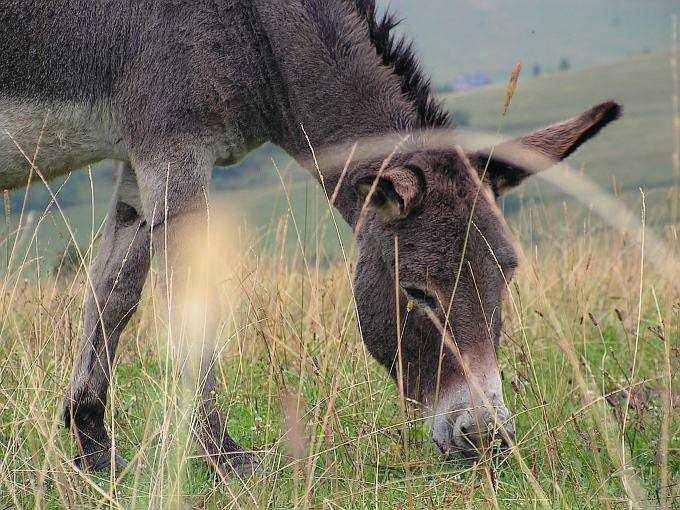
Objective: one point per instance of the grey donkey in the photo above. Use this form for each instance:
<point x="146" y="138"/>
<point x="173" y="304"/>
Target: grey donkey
<point x="172" y="87"/>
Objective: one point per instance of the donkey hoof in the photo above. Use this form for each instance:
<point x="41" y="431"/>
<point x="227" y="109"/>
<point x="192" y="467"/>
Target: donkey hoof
<point x="100" y="461"/>
<point x="244" y="465"/>
<point x="241" y="465"/>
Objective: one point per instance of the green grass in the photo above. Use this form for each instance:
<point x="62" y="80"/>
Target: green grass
<point x="573" y="348"/>
<point x="354" y="456"/>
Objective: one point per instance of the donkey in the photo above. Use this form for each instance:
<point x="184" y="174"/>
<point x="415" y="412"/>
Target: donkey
<point x="172" y="87"/>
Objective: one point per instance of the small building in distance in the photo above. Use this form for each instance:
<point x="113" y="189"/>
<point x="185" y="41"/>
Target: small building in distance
<point x="467" y="81"/>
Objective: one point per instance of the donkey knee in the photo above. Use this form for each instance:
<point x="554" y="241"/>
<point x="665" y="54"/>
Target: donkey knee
<point x="83" y="409"/>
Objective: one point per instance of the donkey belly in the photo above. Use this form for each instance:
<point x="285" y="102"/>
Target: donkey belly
<point x="58" y="138"/>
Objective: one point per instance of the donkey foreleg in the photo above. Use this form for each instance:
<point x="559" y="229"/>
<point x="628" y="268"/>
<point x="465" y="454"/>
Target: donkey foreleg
<point x="176" y="203"/>
<point x="117" y="278"/>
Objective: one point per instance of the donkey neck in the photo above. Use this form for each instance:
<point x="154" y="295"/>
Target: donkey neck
<point x="331" y="85"/>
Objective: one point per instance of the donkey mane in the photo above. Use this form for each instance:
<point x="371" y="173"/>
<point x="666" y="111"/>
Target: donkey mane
<point x="397" y="53"/>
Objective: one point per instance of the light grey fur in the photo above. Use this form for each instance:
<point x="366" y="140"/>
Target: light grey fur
<point x="56" y="137"/>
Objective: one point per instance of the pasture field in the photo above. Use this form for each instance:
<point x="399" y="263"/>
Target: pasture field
<point x="591" y="346"/>
<point x="590" y="343"/>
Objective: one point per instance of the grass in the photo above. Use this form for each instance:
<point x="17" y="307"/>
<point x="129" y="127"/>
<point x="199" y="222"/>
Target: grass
<point x="280" y="352"/>
<point x="590" y="349"/>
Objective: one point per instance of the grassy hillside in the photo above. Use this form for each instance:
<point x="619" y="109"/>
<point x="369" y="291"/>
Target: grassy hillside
<point x="465" y="35"/>
<point x="633" y="154"/>
<point x="636" y="149"/>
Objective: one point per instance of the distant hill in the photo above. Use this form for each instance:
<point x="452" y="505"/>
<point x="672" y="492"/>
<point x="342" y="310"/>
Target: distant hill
<point x="632" y="154"/>
<point x="466" y="35"/>
<point x="635" y="150"/>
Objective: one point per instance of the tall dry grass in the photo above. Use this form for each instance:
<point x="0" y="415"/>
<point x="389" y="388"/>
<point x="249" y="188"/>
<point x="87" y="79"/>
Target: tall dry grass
<point x="588" y="359"/>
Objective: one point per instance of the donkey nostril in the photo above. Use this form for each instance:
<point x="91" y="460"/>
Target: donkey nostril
<point x="464" y="432"/>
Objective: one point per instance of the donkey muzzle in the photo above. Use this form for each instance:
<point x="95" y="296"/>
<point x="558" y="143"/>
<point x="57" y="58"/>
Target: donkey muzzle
<point x="470" y="432"/>
<point x="468" y="423"/>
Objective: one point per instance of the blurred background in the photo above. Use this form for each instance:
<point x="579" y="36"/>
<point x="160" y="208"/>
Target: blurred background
<point x="487" y="36"/>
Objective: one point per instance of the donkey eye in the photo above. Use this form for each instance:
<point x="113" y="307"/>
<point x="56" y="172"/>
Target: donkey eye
<point x="420" y="296"/>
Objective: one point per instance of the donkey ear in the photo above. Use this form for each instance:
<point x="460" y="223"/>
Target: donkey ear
<point x="394" y="192"/>
<point x="509" y="163"/>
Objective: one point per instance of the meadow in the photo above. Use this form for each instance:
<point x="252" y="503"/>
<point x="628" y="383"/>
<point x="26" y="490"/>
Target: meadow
<point x="463" y="36"/>
<point x="591" y="344"/>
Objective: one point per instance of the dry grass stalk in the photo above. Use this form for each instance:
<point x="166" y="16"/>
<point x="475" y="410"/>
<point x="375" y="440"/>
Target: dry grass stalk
<point x="512" y="86"/>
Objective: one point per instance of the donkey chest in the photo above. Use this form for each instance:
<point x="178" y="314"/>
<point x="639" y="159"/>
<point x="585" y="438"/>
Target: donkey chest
<point x="56" y="138"/>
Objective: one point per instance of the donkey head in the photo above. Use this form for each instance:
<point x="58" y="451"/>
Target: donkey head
<point x="430" y="233"/>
